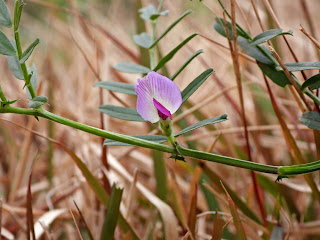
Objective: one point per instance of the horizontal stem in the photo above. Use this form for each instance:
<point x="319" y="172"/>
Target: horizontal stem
<point x="279" y="170"/>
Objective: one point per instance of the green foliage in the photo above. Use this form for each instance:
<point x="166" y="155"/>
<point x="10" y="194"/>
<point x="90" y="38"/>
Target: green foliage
<point x="312" y="82"/>
<point x="32" y="71"/>
<point x="129" y="114"/>
<point x="17" y="13"/>
<point x="311" y="120"/>
<point x="185" y="64"/>
<point x="26" y="54"/>
<point x="15" y="67"/>
<point x="214" y="120"/>
<point x="113" y="213"/>
<point x="128" y="67"/>
<point x="143" y="40"/>
<point x="117" y="87"/>
<point x="170" y="55"/>
<point x="6" y="48"/>
<point x="37" y="101"/>
<point x="169" y="28"/>
<point x="195" y="84"/>
<point x="219" y="26"/>
<point x="152" y="138"/>
<point x="278" y="77"/>
<point x="301" y="66"/>
<point x="5" y="19"/>
<point x="268" y="35"/>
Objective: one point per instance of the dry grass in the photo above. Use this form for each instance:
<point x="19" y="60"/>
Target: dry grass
<point x="76" y="52"/>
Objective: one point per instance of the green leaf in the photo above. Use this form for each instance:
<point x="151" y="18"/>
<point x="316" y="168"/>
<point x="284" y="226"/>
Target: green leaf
<point x="163" y="13"/>
<point x="128" y="67"/>
<point x="219" y="26"/>
<point x="268" y="35"/>
<point x="37" y="101"/>
<point x="195" y="84"/>
<point x="214" y="120"/>
<point x="112" y="215"/>
<point x="170" y="27"/>
<point x="152" y="138"/>
<point x="254" y="51"/>
<point x="147" y="12"/>
<point x="26" y="54"/>
<point x="6" y="47"/>
<point x="300" y="66"/>
<point x="14" y="64"/>
<point x="186" y="63"/>
<point x="17" y="14"/>
<point x="278" y="77"/>
<point x="311" y="120"/>
<point x="33" y="79"/>
<point x="117" y="87"/>
<point x="5" y="19"/>
<point x="142" y="40"/>
<point x="170" y="55"/>
<point x="312" y="82"/>
<point x="124" y="113"/>
<point x="277" y="233"/>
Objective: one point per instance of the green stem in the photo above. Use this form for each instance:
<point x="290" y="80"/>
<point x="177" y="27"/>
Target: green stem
<point x="2" y="96"/>
<point x="151" y="50"/>
<point x="19" y="50"/>
<point x="279" y="170"/>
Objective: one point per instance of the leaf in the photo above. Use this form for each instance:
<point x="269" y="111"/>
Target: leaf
<point x="6" y="47"/>
<point x="170" y="27"/>
<point x="33" y="79"/>
<point x="112" y="216"/>
<point x="278" y="77"/>
<point x="277" y="233"/>
<point x="152" y="138"/>
<point x="163" y="13"/>
<point x="214" y="120"/>
<point x="186" y="63"/>
<point x="312" y="82"/>
<point x="217" y="227"/>
<point x="236" y="218"/>
<point x="37" y="101"/>
<point x="195" y="84"/>
<point x="14" y="64"/>
<point x="311" y="120"/>
<point x="254" y="51"/>
<point x="300" y="66"/>
<point x="147" y="12"/>
<point x="219" y="26"/>
<point x="5" y="19"/>
<point x="170" y="55"/>
<point x="128" y="67"/>
<point x="267" y="35"/>
<point x="26" y="54"/>
<point x="117" y="87"/>
<point x="17" y="15"/>
<point x="142" y="40"/>
<point x="124" y="113"/>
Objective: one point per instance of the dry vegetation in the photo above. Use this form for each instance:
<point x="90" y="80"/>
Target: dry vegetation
<point x="80" y="42"/>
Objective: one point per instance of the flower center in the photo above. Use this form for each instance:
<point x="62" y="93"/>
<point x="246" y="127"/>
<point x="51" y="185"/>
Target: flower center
<point x="162" y="111"/>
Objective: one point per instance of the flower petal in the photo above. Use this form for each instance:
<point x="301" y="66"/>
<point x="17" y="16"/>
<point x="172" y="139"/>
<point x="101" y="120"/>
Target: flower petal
<point x="165" y="91"/>
<point x="145" y="106"/>
<point x="162" y="111"/>
<point x="160" y="88"/>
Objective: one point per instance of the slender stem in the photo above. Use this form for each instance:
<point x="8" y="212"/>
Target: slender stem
<point x="151" y="50"/>
<point x="19" y="49"/>
<point x="279" y="170"/>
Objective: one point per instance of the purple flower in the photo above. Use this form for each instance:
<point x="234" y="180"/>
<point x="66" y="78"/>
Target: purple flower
<point x="158" y="97"/>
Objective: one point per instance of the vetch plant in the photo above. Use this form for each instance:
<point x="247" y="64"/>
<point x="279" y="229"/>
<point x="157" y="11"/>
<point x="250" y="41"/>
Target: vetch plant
<point x="158" y="97"/>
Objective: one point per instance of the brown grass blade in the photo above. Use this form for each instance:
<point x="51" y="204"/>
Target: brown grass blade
<point x="77" y="227"/>
<point x="84" y="221"/>
<point x="236" y="219"/>
<point x="217" y="227"/>
<point x="30" y="227"/>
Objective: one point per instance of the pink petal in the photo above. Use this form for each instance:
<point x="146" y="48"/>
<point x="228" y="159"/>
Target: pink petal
<point x="162" y="111"/>
<point x="160" y="88"/>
